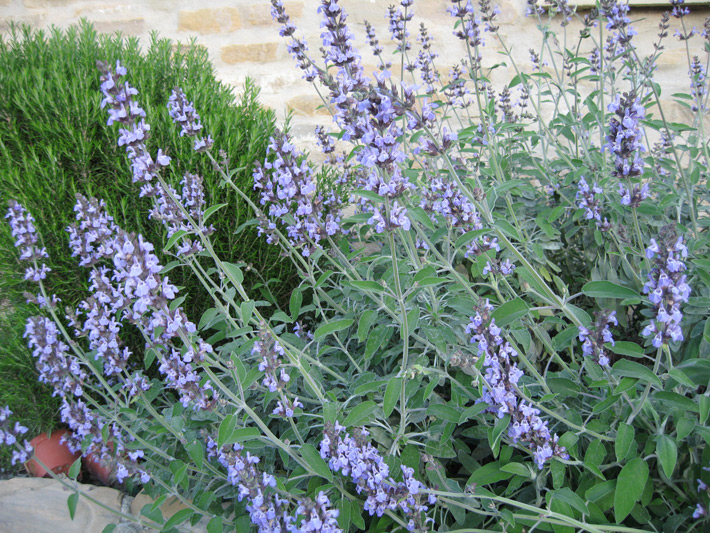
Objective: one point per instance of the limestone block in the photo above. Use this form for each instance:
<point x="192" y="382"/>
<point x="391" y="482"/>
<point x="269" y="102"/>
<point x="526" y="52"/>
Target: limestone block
<point x="255" y="52"/>
<point x="259" y="14"/>
<point x="206" y="21"/>
<point x="38" y="505"/>
<point x="307" y="105"/>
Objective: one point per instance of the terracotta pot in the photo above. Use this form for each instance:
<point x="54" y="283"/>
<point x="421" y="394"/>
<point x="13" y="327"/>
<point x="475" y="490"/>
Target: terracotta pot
<point x="55" y="456"/>
<point x="102" y="470"/>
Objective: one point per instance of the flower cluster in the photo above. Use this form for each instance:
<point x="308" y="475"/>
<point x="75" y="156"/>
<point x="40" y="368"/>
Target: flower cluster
<point x="624" y="141"/>
<point x="500" y="392"/>
<point x="25" y="235"/>
<point x="183" y="213"/>
<point x="593" y="340"/>
<point x="266" y="508"/>
<point x="666" y="287"/>
<point x="357" y="458"/>
<point x="135" y="288"/>
<point x="289" y="190"/>
<point x="183" y="112"/>
<point x="286" y="407"/>
<point x="124" y="109"/>
<point x="587" y="200"/>
<point x="118" y="96"/>
<point x="619" y="23"/>
<point x="271" y="353"/>
<point x="9" y="435"/>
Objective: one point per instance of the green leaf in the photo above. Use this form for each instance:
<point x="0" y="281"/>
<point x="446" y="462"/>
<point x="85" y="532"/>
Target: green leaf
<point x="570" y="498"/>
<point x="313" y="459"/>
<point x="149" y="357"/>
<point x="234" y="271"/>
<point x="667" y="453"/>
<point x="361" y="413"/>
<point x="211" y="211"/>
<point x="681" y="377"/>
<point x="371" y="286"/>
<point x="595" y="454"/>
<point x="472" y="411"/>
<point x="333" y="327"/>
<point x="507" y="228"/>
<point x="630" y="349"/>
<point x="489" y="473"/>
<point x="629" y="487"/>
<point x="178" y="518"/>
<point x="215" y="525"/>
<point x="510" y="312"/>
<point x="607" y="289"/>
<point x="247" y="309"/>
<point x="294" y="305"/>
<point x="175" y="238"/>
<point x="677" y="401"/>
<point x="631" y="369"/>
<point x="75" y="468"/>
<point x="369" y="195"/>
<point x="495" y="433"/>
<point x="365" y="323"/>
<point x="624" y="439"/>
<point x="412" y="321"/>
<point x="518" y="469"/>
<point x="72" y="502"/>
<point x="226" y="428"/>
<point x="391" y="395"/>
<point x="196" y="452"/>
<point x="323" y="278"/>
<point x="444" y="412"/>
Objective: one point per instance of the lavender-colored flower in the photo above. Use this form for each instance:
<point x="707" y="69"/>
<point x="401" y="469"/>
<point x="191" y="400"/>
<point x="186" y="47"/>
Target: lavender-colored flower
<point x="625" y="136"/>
<point x="118" y="96"/>
<point x="494" y="266"/>
<point x="593" y="340"/>
<point x="679" y="10"/>
<point x="698" y="84"/>
<point x="318" y="517"/>
<point x="56" y="366"/>
<point x="286" y="408"/>
<point x="500" y="392"/>
<point x="136" y="289"/>
<point x="25" y="235"/>
<point x="398" y="19"/>
<point x="9" y="434"/>
<point x="635" y="196"/>
<point x="666" y="287"/>
<point x="289" y="191"/>
<point x="276" y="378"/>
<point x="357" y="458"/>
<point x="183" y="112"/>
<point x="587" y="200"/>
<point x="619" y="24"/>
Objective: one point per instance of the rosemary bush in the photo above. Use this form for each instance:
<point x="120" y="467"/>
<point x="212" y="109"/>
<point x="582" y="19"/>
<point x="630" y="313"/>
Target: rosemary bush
<point x="54" y="142"/>
<point x="509" y="334"/>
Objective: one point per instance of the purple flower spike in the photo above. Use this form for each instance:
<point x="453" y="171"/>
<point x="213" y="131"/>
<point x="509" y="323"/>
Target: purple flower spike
<point x="183" y="112"/>
<point x="593" y="340"/>
<point x="502" y="376"/>
<point x="357" y="458"/>
<point x="667" y="287"/>
<point x="25" y="235"/>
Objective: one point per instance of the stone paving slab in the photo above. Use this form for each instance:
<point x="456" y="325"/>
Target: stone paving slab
<point x="39" y="505"/>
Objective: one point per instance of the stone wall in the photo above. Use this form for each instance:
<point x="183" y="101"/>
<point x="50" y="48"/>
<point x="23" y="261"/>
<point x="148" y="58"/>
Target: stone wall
<point x="243" y="41"/>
